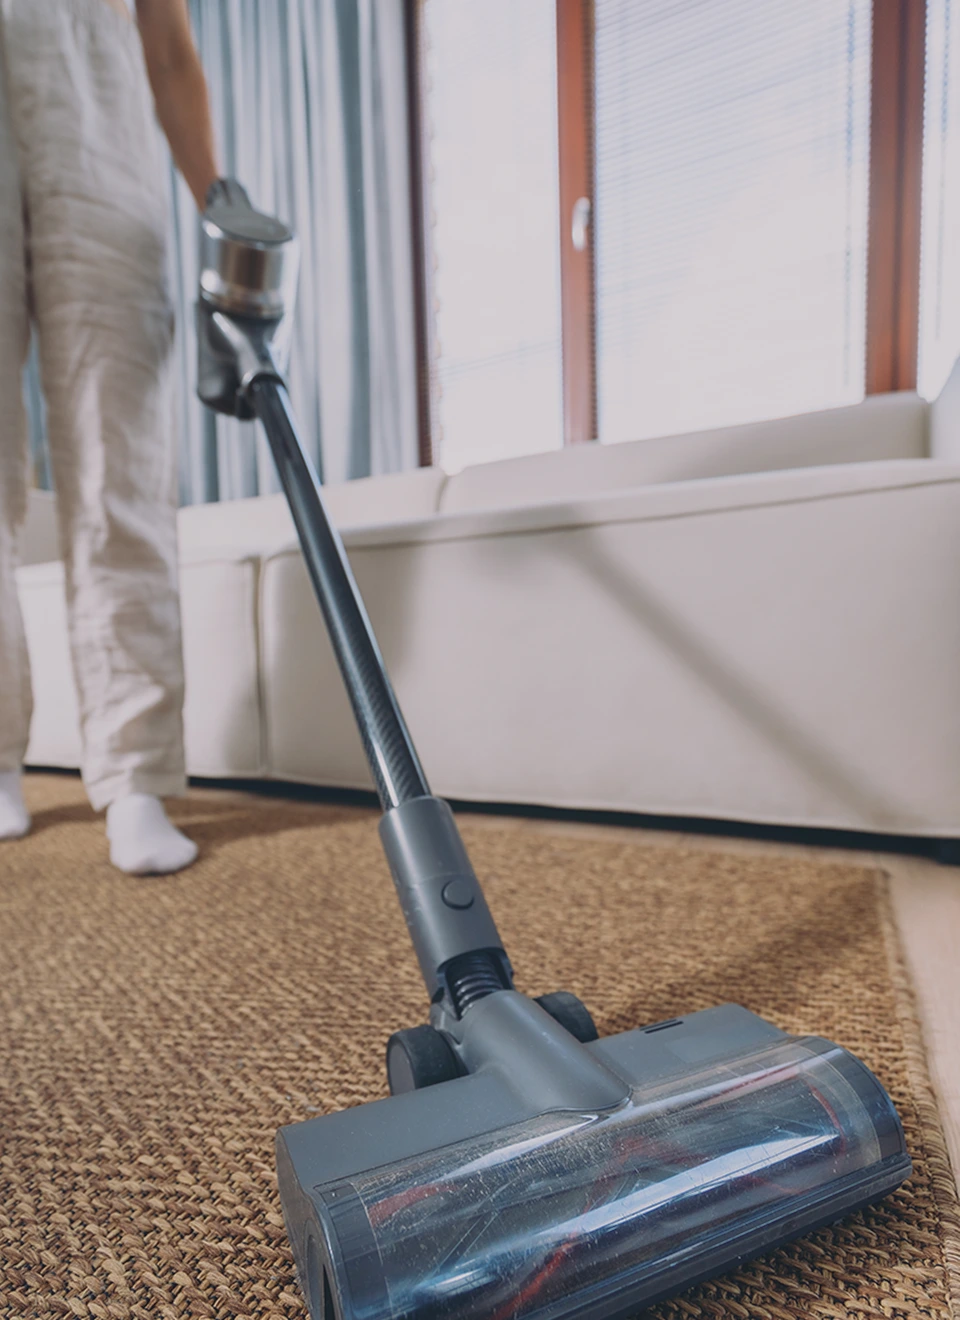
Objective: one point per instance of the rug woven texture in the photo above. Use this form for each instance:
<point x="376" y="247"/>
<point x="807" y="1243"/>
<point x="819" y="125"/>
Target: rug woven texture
<point x="155" y="1033"/>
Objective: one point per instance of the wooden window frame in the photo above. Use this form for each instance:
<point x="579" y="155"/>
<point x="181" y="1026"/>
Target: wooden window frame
<point x="419" y="210"/>
<point x="897" y="75"/>
<point x="898" y="50"/>
<point x="575" y="139"/>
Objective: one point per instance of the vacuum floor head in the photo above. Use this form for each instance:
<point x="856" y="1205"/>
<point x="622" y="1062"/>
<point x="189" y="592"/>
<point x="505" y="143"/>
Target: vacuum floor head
<point x="470" y="1201"/>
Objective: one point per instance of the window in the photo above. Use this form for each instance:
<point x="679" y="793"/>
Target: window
<point x="940" y="251"/>
<point x="731" y="210"/>
<point x="490" y="158"/>
<point x="654" y="216"/>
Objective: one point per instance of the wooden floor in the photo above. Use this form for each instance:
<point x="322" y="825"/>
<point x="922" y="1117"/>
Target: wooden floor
<point x="926" y="900"/>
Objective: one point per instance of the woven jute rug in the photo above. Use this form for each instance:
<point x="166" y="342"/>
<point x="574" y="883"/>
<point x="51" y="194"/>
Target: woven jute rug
<point x="155" y="1033"/>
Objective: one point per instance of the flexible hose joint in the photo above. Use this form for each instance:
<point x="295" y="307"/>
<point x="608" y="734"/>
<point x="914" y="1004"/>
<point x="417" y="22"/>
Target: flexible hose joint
<point x="473" y="976"/>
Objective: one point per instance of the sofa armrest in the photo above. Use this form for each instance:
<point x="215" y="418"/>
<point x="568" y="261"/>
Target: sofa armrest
<point x="945" y="419"/>
<point x="681" y="499"/>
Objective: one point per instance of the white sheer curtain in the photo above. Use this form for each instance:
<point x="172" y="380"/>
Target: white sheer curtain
<point x="309" y="102"/>
<point x="940" y="257"/>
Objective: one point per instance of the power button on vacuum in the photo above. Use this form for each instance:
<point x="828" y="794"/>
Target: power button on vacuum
<point x="458" y="893"/>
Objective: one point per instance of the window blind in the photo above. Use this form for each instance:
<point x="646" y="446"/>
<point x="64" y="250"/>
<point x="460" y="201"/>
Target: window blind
<point x="490" y="129"/>
<point x="731" y="160"/>
<point x="940" y="215"/>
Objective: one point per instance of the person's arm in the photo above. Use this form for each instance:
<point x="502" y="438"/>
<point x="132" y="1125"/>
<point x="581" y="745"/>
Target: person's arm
<point x="179" y="90"/>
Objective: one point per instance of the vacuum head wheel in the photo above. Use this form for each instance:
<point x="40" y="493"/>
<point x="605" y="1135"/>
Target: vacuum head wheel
<point x="419" y="1057"/>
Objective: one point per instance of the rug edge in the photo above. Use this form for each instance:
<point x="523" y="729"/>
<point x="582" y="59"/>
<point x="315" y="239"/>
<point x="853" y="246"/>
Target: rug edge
<point x="907" y="1012"/>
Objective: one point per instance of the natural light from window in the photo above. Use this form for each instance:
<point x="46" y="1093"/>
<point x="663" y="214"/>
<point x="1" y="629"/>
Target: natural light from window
<point x="490" y="106"/>
<point x="940" y="249"/>
<point x="732" y="148"/>
<point x="730" y="220"/>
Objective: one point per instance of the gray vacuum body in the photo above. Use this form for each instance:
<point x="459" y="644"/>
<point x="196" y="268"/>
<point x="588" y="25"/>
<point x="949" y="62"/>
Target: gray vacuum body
<point x="522" y="1168"/>
<point x="472" y="1200"/>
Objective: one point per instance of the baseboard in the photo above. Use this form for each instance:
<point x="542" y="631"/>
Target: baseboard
<point x="945" y="851"/>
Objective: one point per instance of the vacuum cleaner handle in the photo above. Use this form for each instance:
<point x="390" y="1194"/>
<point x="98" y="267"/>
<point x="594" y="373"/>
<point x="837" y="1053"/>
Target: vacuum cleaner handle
<point x="244" y="268"/>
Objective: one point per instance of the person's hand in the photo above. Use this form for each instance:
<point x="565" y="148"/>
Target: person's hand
<point x="179" y="91"/>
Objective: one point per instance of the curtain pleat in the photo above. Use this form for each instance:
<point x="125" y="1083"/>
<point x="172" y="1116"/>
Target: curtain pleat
<point x="309" y="106"/>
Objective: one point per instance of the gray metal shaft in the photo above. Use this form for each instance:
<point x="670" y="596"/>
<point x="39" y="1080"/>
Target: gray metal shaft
<point x="393" y="760"/>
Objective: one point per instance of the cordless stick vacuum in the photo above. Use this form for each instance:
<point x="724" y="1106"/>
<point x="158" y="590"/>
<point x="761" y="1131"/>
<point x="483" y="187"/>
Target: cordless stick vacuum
<point x="521" y="1168"/>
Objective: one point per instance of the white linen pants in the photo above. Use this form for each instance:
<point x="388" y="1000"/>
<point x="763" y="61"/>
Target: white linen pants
<point x="82" y="252"/>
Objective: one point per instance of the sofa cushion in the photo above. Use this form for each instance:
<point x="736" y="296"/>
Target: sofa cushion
<point x="664" y="500"/>
<point x="264" y="523"/>
<point x="222" y="719"/>
<point x="945" y="419"/>
<point x="889" y="426"/>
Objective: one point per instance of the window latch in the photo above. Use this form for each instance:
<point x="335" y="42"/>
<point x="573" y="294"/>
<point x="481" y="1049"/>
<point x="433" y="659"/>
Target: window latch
<point x="580" y="223"/>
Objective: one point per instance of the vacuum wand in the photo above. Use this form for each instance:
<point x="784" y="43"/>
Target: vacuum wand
<point x="243" y="316"/>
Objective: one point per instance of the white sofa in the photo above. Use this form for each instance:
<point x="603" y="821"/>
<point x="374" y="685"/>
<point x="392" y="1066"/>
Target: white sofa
<point x="760" y="623"/>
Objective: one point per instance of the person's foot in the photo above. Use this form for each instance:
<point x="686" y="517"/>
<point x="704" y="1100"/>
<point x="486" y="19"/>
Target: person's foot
<point x="14" y="817"/>
<point x="142" y="840"/>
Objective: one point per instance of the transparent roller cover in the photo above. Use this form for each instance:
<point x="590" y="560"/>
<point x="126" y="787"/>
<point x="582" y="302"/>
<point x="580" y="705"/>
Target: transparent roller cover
<point x="563" y="1213"/>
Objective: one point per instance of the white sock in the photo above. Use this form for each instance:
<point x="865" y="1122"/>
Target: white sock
<point x="142" y="840"/>
<point x="14" y="817"/>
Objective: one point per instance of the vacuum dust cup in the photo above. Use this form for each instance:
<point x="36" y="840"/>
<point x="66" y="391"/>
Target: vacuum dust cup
<point x="523" y="1169"/>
